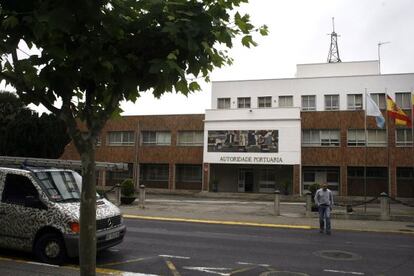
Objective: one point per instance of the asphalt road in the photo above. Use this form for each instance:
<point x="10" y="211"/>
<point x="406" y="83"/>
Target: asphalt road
<point x="180" y="248"/>
<point x="177" y="248"/>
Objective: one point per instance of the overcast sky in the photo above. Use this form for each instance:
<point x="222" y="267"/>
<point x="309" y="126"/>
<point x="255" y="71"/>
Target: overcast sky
<point x="299" y="34"/>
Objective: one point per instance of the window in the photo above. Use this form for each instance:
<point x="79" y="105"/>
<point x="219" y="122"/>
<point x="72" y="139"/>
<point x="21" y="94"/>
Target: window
<point x="355" y="101"/>
<point x="189" y="173"/>
<point x="190" y="138"/>
<point x="98" y="141"/>
<point x="154" y="172"/>
<point x="161" y="138"/>
<point x="285" y="101"/>
<point x="116" y="177"/>
<point x="243" y="102"/>
<point x="405" y="173"/>
<point x="403" y="137"/>
<point x="264" y="102"/>
<point x="267" y="180"/>
<point x="403" y="100"/>
<point x="331" y="102"/>
<point x="118" y="138"/>
<point x="17" y="188"/>
<point x="379" y="99"/>
<point x="309" y="102"/>
<point x="377" y="137"/>
<point x="371" y="172"/>
<point x="309" y="176"/>
<point x="356" y="137"/>
<point x="223" y="103"/>
<point x="318" y="138"/>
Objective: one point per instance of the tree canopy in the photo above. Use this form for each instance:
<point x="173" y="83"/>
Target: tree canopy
<point x="24" y="133"/>
<point x="92" y="54"/>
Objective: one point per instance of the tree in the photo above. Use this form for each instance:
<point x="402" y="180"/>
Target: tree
<point x="94" y="54"/>
<point x="24" y="133"/>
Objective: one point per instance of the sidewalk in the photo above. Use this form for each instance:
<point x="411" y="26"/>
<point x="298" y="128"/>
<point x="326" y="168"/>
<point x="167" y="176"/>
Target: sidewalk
<point x="260" y="211"/>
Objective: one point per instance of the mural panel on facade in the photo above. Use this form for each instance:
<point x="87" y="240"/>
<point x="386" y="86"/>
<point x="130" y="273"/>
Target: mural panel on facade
<point x="243" y="141"/>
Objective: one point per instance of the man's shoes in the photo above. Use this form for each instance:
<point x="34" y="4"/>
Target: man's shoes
<point x="321" y="231"/>
<point x="328" y="233"/>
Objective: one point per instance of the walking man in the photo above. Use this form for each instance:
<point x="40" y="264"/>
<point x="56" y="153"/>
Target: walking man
<point x="324" y="201"/>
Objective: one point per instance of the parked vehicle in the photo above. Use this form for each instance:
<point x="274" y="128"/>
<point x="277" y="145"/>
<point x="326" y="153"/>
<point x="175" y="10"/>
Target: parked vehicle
<point x="39" y="212"/>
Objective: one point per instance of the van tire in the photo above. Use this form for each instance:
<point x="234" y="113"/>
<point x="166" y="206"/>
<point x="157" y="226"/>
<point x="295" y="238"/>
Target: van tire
<point x="50" y="248"/>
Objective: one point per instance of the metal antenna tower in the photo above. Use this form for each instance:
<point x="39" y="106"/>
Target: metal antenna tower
<point x="333" y="55"/>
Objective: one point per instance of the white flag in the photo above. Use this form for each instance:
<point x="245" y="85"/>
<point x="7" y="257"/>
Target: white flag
<point x="373" y="110"/>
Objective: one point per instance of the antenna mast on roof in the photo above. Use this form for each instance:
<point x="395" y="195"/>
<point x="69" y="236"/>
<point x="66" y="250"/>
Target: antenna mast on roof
<point x="333" y="55"/>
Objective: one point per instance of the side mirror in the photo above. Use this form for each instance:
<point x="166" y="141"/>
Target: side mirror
<point x="33" y="202"/>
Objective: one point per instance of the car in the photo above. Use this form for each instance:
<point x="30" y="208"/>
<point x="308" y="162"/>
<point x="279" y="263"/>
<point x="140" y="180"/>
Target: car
<point x="39" y="212"/>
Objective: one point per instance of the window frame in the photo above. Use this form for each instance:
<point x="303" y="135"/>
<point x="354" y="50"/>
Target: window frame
<point x="264" y="102"/>
<point x="155" y="141"/>
<point x="223" y="103"/>
<point x="124" y="136"/>
<point x="193" y="142"/>
<point x="320" y="135"/>
<point x="283" y="99"/>
<point x="403" y="100"/>
<point x="407" y="142"/>
<point x="330" y="98"/>
<point x="308" y="99"/>
<point x="353" y="105"/>
<point x="243" y="102"/>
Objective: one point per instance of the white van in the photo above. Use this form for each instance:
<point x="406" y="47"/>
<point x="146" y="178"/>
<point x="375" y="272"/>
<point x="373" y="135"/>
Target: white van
<point x="39" y="212"/>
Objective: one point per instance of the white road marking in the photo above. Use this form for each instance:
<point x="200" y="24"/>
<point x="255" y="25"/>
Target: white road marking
<point x="210" y="270"/>
<point x="37" y="263"/>
<point x="174" y="257"/>
<point x="344" y="272"/>
<point x="244" y="263"/>
<point x="135" y="274"/>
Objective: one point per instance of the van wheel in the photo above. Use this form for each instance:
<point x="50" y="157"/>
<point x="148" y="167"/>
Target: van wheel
<point x="50" y="249"/>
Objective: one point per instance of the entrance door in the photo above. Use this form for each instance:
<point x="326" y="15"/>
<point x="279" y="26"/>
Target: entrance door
<point x="245" y="180"/>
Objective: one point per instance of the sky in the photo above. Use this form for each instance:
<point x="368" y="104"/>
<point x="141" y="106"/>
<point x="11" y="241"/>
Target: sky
<point x="299" y="33"/>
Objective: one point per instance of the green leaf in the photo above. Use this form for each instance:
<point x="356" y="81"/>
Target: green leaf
<point x="194" y="86"/>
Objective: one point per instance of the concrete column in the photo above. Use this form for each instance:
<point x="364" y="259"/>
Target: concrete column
<point x="385" y="207"/>
<point x="277" y="203"/>
<point x="296" y="180"/>
<point x="171" y="178"/>
<point x="102" y="174"/>
<point x="206" y="177"/>
<point x="308" y="204"/>
<point x="141" y="202"/>
<point x="343" y="180"/>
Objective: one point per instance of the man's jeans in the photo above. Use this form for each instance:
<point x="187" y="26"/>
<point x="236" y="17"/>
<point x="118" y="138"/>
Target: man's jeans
<point x="325" y="217"/>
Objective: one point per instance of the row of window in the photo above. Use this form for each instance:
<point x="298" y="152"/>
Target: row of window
<point x="161" y="138"/>
<point x="354" y="101"/>
<point x="160" y="172"/>
<point x="355" y="137"/>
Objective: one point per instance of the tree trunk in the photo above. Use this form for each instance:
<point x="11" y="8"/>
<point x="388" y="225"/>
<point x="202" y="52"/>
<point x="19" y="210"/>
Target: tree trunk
<point x="87" y="247"/>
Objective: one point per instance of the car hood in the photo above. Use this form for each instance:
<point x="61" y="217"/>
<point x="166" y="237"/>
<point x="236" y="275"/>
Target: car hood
<point x="104" y="209"/>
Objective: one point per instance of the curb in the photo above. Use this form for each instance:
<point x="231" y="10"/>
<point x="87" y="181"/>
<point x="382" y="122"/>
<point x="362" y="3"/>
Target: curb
<point x="254" y="224"/>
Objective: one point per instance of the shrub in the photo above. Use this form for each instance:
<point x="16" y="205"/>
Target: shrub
<point x="127" y="188"/>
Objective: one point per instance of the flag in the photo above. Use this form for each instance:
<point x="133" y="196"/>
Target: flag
<point x="373" y="110"/>
<point x="394" y="111"/>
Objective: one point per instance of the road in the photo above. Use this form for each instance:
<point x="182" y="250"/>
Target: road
<point x="178" y="248"/>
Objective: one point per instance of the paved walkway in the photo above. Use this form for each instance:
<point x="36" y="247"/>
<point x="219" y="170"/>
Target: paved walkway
<point x="256" y="211"/>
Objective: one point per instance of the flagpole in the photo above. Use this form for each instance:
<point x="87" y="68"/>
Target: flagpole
<point x="388" y="141"/>
<point x="365" y="157"/>
<point x="412" y="125"/>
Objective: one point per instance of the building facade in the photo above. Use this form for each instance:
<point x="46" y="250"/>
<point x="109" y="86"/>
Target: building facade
<point x="286" y="134"/>
<point x="164" y="151"/>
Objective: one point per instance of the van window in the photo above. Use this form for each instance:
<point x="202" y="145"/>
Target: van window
<point x="17" y="188"/>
